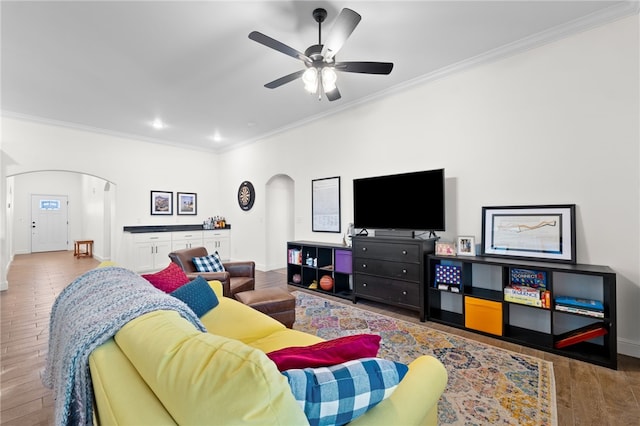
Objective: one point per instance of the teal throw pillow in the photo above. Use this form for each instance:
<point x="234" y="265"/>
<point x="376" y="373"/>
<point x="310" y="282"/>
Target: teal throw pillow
<point x="198" y="295"/>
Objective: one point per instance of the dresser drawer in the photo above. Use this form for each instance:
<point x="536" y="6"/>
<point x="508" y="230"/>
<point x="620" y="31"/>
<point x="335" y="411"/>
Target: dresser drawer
<point x="384" y="268"/>
<point x="404" y="252"/>
<point x="388" y="291"/>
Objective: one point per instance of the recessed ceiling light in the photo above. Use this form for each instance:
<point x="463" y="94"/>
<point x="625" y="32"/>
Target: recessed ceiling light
<point x="216" y="137"/>
<point x="158" y="124"/>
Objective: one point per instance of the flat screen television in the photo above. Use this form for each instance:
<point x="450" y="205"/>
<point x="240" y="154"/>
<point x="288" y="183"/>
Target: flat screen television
<point x="406" y="201"/>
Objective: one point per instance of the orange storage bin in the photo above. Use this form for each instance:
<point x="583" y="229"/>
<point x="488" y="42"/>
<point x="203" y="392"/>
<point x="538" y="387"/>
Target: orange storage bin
<point x="483" y="315"/>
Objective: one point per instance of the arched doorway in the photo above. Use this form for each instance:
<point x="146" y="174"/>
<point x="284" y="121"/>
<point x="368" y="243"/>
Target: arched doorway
<point x="280" y="220"/>
<point x="91" y="208"/>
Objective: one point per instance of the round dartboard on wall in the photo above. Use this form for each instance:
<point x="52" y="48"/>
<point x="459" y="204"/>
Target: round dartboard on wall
<point x="246" y="195"/>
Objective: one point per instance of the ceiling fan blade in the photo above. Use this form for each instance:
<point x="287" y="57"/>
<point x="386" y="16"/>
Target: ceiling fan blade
<point x="333" y="95"/>
<point x="284" y="80"/>
<point x="280" y="47"/>
<point x="342" y="28"/>
<point x="365" y="67"/>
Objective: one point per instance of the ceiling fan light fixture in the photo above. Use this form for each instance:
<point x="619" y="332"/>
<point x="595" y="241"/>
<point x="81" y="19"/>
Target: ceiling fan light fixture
<point x="329" y="78"/>
<point x="310" y="79"/>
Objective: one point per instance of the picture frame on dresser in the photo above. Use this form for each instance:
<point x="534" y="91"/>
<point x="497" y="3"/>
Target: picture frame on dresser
<point x="187" y="203"/>
<point x="161" y="203"/>
<point x="535" y="232"/>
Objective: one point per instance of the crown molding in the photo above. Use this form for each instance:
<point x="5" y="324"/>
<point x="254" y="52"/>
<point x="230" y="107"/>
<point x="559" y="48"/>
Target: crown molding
<point x="617" y="11"/>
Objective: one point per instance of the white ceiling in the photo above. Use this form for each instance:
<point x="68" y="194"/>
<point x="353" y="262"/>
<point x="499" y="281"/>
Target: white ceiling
<point x="116" y="66"/>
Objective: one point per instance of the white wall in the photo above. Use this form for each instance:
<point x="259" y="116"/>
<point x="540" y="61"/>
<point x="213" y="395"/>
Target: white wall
<point x="134" y="167"/>
<point x="556" y="124"/>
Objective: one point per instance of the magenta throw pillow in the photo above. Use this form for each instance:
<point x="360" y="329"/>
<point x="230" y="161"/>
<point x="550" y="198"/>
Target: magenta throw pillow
<point x="169" y="279"/>
<point x="327" y="353"/>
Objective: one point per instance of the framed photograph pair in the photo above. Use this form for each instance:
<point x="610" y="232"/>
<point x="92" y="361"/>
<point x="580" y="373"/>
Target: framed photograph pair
<point x="544" y="232"/>
<point x="464" y="246"/>
<point x="162" y="203"/>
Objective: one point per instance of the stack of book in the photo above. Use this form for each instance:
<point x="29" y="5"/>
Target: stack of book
<point x="294" y="256"/>
<point x="590" y="307"/>
<point x="528" y="287"/>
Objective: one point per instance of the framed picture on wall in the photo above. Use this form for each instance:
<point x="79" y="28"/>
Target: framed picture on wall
<point x="546" y="232"/>
<point x="161" y="203"/>
<point x="325" y="204"/>
<point x="187" y="203"/>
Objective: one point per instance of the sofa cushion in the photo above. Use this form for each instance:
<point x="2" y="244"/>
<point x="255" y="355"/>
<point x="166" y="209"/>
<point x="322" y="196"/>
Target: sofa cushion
<point x="327" y="353"/>
<point x="198" y="295"/>
<point x="168" y="279"/>
<point x="209" y="263"/>
<point x="201" y="378"/>
<point x="338" y="394"/>
<point x="231" y="319"/>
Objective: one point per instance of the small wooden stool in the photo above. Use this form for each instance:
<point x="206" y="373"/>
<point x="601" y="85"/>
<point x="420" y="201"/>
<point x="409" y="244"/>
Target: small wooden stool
<point x="88" y="248"/>
<point x="278" y="303"/>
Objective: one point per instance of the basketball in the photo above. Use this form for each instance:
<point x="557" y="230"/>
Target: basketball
<point x="326" y="282"/>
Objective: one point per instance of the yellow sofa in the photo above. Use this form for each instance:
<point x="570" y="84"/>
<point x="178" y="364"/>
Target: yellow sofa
<point x="160" y="370"/>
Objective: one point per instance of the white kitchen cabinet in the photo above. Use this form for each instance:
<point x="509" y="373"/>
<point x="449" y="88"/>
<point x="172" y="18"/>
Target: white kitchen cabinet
<point x="186" y="239"/>
<point x="218" y="240"/>
<point x="150" y="251"/>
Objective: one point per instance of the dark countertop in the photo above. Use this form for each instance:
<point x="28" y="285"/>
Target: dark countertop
<point x="167" y="228"/>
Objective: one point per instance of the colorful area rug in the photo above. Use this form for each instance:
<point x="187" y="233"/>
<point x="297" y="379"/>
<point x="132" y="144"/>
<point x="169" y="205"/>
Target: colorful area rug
<point x="487" y="385"/>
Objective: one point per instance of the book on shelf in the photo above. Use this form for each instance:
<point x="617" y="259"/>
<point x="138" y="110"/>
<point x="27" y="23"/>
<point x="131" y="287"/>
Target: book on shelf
<point x="295" y="256"/>
<point x="581" y="334"/>
<point x="579" y="302"/>
<point x="581" y="311"/>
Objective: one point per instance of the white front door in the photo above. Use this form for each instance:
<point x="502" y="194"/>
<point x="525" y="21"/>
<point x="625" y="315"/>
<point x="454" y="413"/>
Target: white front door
<point x="49" y="223"/>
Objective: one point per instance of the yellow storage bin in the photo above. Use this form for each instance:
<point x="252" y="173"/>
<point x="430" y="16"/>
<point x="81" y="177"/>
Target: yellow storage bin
<point x="483" y="315"/>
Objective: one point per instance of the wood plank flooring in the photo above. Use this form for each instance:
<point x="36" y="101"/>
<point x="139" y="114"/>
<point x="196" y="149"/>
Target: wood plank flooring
<point x="586" y="394"/>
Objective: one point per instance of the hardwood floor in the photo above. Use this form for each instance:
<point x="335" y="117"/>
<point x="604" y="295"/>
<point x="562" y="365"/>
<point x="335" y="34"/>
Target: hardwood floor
<point x="586" y="394"/>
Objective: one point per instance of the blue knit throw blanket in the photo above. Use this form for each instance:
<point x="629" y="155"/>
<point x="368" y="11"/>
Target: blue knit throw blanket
<point x="87" y="313"/>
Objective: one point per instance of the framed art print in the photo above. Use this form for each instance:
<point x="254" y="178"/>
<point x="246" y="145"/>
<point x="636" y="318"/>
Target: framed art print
<point x="187" y="203"/>
<point x="546" y="232"/>
<point x="161" y="203"/>
<point x="325" y="204"/>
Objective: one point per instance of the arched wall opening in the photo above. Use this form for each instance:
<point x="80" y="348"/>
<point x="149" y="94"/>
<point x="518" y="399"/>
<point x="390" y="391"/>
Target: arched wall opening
<point x="91" y="208"/>
<point x="279" y="218"/>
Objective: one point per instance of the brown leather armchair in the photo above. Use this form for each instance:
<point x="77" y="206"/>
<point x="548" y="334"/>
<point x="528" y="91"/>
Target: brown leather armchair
<point x="238" y="276"/>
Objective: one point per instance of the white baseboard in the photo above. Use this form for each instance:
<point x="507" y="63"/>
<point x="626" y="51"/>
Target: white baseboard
<point x="629" y="348"/>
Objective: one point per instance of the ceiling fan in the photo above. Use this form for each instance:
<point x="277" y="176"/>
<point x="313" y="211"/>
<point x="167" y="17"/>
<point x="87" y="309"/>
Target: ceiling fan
<point x="320" y="73"/>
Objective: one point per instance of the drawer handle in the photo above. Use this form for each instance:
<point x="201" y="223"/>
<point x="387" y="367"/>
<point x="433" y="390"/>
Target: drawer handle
<point x="364" y="284"/>
<point x="364" y="249"/>
<point x="364" y="266"/>
<point x="404" y="271"/>
<point x="404" y="252"/>
<point x="404" y="293"/>
<point x="153" y="238"/>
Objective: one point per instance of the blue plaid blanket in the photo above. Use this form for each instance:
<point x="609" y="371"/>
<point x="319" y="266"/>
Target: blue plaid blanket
<point x="87" y="313"/>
